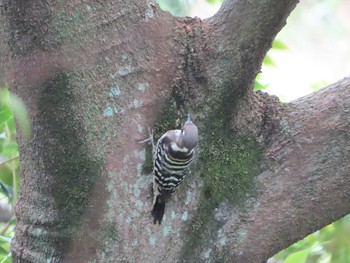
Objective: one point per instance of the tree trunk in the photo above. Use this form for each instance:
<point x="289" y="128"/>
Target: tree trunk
<point x="95" y="75"/>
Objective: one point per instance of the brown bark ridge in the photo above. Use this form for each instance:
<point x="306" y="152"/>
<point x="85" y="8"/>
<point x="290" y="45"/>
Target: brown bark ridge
<point x="96" y="74"/>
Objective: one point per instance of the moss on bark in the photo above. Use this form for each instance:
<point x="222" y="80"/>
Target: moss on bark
<point x="67" y="161"/>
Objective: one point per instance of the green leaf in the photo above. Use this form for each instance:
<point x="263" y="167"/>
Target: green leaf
<point x="7" y="191"/>
<point x="319" y="85"/>
<point x="19" y="109"/>
<point x="268" y="61"/>
<point x="6" y="239"/>
<point x="214" y="1"/>
<point x="11" y="125"/>
<point x="278" y="44"/>
<point x="10" y="149"/>
<point x="13" y="221"/>
<point x="5" y="114"/>
<point x="6" y="257"/>
<point x="21" y="114"/>
<point x="259" y="86"/>
<point x="3" y="251"/>
<point x="298" y="257"/>
<point x="6" y="175"/>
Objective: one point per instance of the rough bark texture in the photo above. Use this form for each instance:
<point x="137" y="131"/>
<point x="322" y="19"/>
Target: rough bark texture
<point x="96" y="74"/>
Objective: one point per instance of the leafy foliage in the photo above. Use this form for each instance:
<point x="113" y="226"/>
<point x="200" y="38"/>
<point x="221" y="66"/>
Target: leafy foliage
<point x="215" y="1"/>
<point x="268" y="61"/>
<point x="9" y="173"/>
<point x="181" y="7"/>
<point x="176" y="7"/>
<point x="328" y="245"/>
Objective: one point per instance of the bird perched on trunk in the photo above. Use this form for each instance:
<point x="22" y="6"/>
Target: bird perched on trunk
<point x="173" y="154"/>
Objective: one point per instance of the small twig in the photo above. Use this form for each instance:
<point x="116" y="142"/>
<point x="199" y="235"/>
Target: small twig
<point x="3" y="231"/>
<point x="9" y="160"/>
<point x="6" y="258"/>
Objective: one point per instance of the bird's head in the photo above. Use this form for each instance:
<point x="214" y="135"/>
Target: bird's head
<point x="189" y="135"/>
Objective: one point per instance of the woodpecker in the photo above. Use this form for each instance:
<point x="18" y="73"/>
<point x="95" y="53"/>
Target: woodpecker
<point x="172" y="157"/>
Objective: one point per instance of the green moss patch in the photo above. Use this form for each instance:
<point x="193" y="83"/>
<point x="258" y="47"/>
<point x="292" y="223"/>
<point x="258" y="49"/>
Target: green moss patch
<point x="229" y="167"/>
<point x="69" y="165"/>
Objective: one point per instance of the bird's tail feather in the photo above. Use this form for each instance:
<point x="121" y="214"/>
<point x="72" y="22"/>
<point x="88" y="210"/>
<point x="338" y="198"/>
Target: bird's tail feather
<point x="158" y="210"/>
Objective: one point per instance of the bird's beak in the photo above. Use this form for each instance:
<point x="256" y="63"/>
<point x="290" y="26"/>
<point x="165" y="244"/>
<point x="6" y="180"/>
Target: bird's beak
<point x="188" y="118"/>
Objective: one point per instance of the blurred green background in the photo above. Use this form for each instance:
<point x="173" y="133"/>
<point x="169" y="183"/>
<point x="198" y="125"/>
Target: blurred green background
<point x="9" y="174"/>
<point x="313" y="50"/>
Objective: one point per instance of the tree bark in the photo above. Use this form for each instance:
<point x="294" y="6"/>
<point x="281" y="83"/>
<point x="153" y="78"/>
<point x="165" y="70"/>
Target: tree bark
<point x="95" y="75"/>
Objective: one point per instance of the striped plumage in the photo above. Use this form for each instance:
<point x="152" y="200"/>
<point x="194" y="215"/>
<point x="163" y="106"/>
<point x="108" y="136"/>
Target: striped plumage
<point x="173" y="155"/>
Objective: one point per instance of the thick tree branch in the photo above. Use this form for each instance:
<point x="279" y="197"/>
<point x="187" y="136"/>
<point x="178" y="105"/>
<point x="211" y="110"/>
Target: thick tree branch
<point x="246" y="29"/>
<point x="306" y="185"/>
<point x="241" y="34"/>
<point x="225" y="52"/>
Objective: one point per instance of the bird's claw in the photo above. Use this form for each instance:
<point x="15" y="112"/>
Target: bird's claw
<point x="150" y="138"/>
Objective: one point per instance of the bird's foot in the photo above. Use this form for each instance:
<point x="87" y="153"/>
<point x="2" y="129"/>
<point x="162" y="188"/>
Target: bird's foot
<point x="150" y="138"/>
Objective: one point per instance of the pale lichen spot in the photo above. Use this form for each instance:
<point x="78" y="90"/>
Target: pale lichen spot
<point x="167" y="231"/>
<point x="139" y="205"/>
<point x="142" y="154"/>
<point x="207" y="253"/>
<point x="37" y="232"/>
<point x="222" y="241"/>
<point x="115" y="193"/>
<point x="110" y="204"/>
<point x="136" y="153"/>
<point x="140" y="128"/>
<point x="121" y="216"/>
<point x="123" y="71"/>
<point x="149" y="231"/>
<point x="114" y="92"/>
<point x="135" y="214"/>
<point x="142" y="86"/>
<point x="135" y="243"/>
<point x="138" y="116"/>
<point x="242" y="234"/>
<point x="173" y="214"/>
<point x="137" y="191"/>
<point x="152" y="240"/>
<point x="149" y="12"/>
<point x="139" y="169"/>
<point x="184" y="216"/>
<point x="221" y="47"/>
<point x="108" y="112"/>
<point x="116" y="110"/>
<point x="222" y="238"/>
<point x="188" y="198"/>
<point x="143" y="182"/>
<point x="110" y="186"/>
<point x="88" y="8"/>
<point x="137" y="103"/>
<point x="125" y="187"/>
